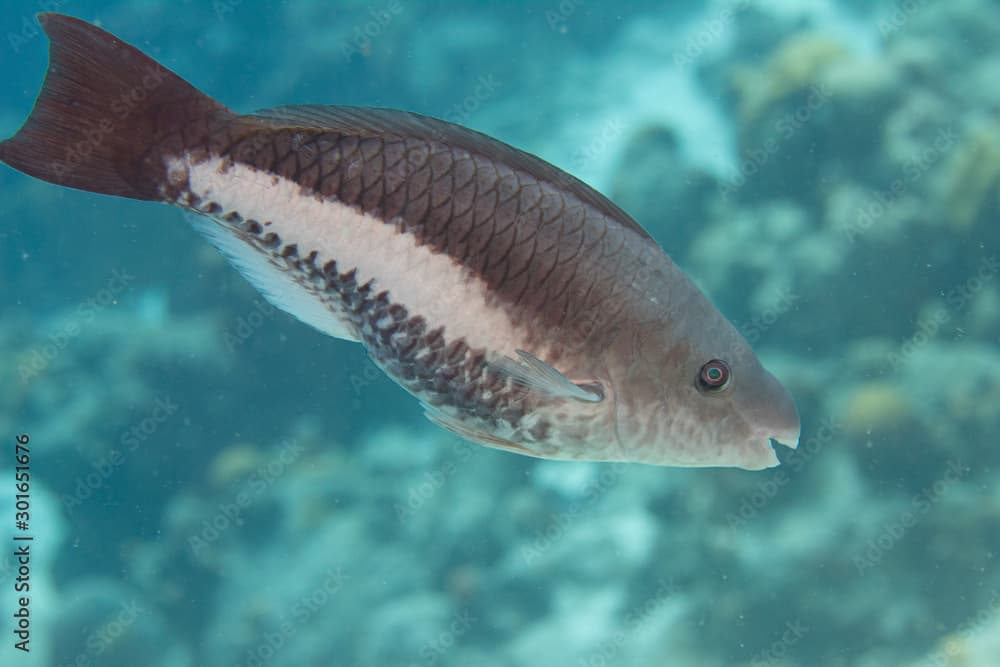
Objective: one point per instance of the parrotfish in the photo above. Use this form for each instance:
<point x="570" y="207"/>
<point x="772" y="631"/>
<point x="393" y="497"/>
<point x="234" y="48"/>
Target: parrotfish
<point x="525" y="310"/>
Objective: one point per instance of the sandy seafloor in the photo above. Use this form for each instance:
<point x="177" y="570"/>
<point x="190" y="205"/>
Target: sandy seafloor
<point x="217" y="484"/>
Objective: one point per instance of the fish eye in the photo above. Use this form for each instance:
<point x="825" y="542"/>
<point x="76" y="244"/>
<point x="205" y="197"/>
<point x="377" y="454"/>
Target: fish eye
<point x="714" y="376"/>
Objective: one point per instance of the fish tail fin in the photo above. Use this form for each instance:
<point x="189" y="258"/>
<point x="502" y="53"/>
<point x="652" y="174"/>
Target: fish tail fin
<point x="103" y="106"/>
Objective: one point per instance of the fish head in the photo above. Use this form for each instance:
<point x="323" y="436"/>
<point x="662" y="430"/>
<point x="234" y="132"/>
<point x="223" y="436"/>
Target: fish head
<point x="689" y="391"/>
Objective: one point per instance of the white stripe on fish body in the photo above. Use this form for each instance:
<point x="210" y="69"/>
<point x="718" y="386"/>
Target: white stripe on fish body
<point x="426" y="283"/>
<point x="641" y="330"/>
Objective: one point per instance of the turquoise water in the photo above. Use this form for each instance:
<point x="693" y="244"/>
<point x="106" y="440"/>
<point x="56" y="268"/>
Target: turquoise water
<point x="213" y="483"/>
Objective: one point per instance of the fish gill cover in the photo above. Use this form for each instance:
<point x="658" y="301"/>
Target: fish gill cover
<point x="215" y="483"/>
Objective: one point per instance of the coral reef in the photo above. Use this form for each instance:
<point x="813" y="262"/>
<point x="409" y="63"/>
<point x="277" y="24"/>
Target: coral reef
<point x="217" y="484"/>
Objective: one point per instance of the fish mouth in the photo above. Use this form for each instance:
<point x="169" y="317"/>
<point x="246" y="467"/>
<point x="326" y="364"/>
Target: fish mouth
<point x="788" y="438"/>
<point x="762" y="449"/>
<point x="775" y="420"/>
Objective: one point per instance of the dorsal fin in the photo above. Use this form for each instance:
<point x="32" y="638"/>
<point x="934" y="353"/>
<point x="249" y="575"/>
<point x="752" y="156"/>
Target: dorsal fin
<point x="402" y="124"/>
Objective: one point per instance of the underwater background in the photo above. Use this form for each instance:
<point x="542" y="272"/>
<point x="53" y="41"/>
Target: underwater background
<point x="214" y="483"/>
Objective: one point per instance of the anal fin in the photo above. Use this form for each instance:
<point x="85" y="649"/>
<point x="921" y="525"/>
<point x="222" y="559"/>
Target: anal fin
<point x="472" y="435"/>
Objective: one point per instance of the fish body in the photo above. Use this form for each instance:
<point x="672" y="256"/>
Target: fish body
<point x="524" y="310"/>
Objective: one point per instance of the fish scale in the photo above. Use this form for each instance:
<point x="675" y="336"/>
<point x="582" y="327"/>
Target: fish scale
<point x="522" y="307"/>
<point x="440" y="372"/>
<point x="500" y="201"/>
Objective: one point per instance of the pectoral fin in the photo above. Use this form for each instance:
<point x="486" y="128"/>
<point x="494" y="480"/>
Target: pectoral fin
<point x="534" y="374"/>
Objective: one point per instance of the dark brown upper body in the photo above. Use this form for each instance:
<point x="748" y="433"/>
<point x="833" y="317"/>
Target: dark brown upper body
<point x="582" y="286"/>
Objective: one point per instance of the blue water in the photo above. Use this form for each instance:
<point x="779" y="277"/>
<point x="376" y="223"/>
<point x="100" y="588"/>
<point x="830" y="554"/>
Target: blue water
<point x="214" y="483"/>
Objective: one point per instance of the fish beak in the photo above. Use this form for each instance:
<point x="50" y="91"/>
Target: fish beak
<point x="778" y="419"/>
<point x="788" y="438"/>
<point x="775" y="420"/>
<point x="762" y="451"/>
<point x="786" y="428"/>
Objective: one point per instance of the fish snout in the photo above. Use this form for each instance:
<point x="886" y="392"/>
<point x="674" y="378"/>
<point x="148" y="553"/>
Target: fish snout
<point x="774" y="414"/>
<point x="781" y="418"/>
